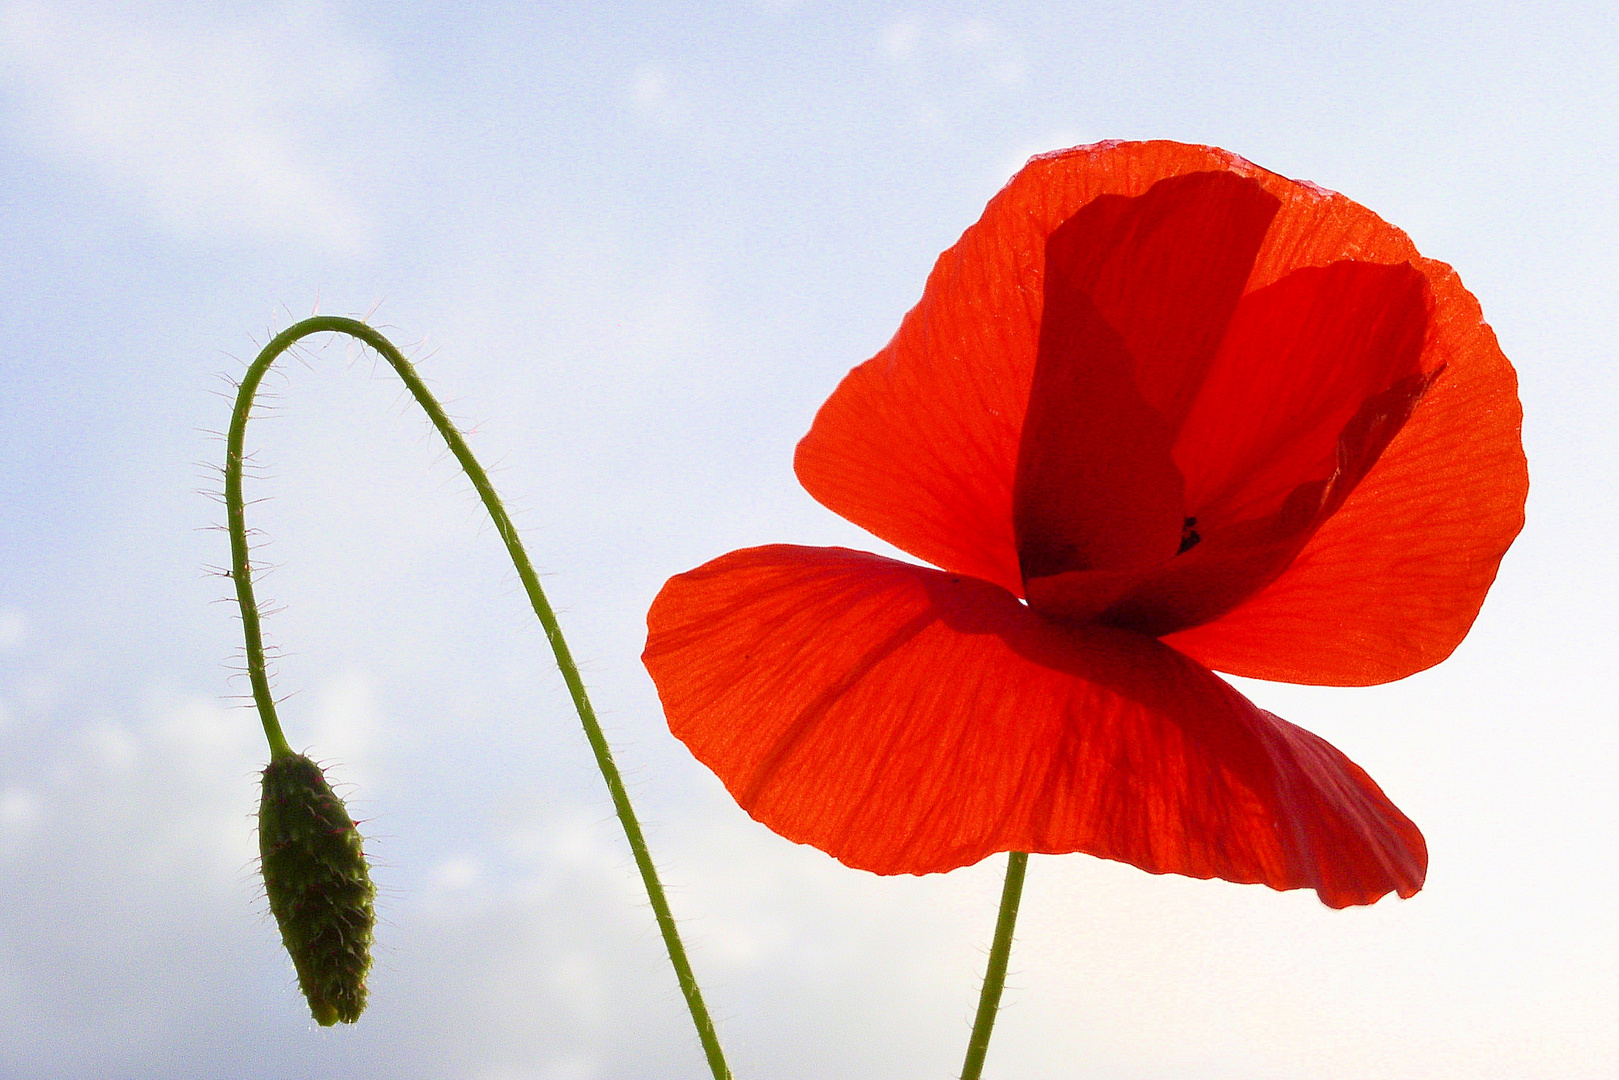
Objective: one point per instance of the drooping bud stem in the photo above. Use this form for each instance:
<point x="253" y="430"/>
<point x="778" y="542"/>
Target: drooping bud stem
<point x="319" y="886"/>
<point x="241" y="572"/>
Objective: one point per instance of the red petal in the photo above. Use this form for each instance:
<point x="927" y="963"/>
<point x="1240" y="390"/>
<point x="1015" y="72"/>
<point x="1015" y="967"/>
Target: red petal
<point x="1316" y="376"/>
<point x="910" y="721"/>
<point x="1299" y="359"/>
<point x="1138" y="292"/>
<point x="1390" y="583"/>
<point x="919" y="445"/>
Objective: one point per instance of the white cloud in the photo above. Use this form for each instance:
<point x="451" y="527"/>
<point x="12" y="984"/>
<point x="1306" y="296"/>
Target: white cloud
<point x="113" y="747"/>
<point x="214" y="124"/>
<point x="19" y="809"/>
<point x="900" y="38"/>
<point x="13" y="629"/>
<point x="950" y="68"/>
<point x="655" y="100"/>
<point x="957" y="49"/>
<point x="455" y="874"/>
<point x="996" y="56"/>
<point x="346" y="723"/>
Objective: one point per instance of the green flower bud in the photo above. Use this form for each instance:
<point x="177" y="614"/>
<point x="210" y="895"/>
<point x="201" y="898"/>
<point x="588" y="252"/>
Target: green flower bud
<point x="319" y="887"/>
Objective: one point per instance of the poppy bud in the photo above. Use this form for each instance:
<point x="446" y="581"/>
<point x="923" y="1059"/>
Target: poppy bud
<point x="319" y="887"/>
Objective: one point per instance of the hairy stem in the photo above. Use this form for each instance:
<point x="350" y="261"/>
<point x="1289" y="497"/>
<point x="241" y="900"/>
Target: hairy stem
<point x="241" y="571"/>
<point x="989" y="999"/>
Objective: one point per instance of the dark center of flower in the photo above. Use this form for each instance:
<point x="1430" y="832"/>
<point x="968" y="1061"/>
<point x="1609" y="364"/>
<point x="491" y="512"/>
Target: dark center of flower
<point x="1189" y="535"/>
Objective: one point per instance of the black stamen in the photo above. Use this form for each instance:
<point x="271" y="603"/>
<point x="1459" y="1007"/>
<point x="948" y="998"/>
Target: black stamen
<point x="1189" y="536"/>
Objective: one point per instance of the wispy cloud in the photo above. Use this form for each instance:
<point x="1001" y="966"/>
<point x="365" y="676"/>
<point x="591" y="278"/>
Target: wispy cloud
<point x="13" y="629"/>
<point x="948" y="68"/>
<point x="655" y="100"/>
<point x="213" y="124"/>
<point x="957" y="51"/>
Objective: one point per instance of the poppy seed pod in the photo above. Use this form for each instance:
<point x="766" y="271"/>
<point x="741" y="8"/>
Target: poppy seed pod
<point x="319" y="887"/>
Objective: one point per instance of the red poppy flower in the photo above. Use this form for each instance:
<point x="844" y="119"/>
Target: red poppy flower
<point x="1159" y="411"/>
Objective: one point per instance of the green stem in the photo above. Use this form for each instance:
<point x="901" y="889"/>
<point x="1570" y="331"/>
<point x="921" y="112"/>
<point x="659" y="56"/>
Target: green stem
<point x="989" y="999"/>
<point x="242" y="573"/>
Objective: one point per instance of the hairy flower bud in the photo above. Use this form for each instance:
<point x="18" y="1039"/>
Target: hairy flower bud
<point x="319" y="887"/>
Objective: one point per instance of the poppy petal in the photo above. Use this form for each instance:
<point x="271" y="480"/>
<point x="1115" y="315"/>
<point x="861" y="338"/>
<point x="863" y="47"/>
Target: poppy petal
<point x="1391" y="581"/>
<point x="906" y="720"/>
<point x="919" y="445"/>
<point x="1299" y="358"/>
<point x="1096" y="487"/>
<point x="1317" y="375"/>
<point x="1138" y="293"/>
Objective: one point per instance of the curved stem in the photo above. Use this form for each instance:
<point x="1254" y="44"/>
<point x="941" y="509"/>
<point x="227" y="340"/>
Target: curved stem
<point x="989" y="999"/>
<point x="242" y="573"/>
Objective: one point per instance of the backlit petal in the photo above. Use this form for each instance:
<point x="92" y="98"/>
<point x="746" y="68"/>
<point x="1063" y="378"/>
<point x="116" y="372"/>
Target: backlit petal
<point x="919" y="445"/>
<point x="1138" y="294"/>
<point x="1314" y="376"/>
<point x="1298" y="360"/>
<point x="1391" y="582"/>
<point x="910" y="721"/>
<point x="1318" y="373"/>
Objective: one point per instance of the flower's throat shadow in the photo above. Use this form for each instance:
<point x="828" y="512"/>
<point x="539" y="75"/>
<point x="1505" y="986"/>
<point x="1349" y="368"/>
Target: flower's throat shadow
<point x="1220" y="428"/>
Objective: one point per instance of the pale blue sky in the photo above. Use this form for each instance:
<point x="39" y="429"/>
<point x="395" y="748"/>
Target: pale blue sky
<point x="637" y="245"/>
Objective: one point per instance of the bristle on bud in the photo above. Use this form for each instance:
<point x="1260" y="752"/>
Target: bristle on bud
<point x="319" y="886"/>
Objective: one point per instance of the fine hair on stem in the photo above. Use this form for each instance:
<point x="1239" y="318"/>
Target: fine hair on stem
<point x="241" y="573"/>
